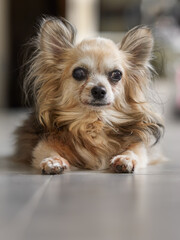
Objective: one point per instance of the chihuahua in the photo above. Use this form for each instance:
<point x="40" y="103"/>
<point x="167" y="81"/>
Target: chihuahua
<point x="91" y="102"/>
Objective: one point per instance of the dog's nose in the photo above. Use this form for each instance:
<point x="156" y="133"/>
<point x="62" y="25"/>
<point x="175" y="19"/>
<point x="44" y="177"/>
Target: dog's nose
<point x="98" y="92"/>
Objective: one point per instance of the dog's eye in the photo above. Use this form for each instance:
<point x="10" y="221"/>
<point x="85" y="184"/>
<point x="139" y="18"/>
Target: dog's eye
<point x="80" y="73"/>
<point x="115" y="75"/>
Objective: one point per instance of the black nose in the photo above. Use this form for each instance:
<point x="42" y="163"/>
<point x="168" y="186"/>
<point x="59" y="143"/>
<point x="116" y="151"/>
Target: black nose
<point x="98" y="92"/>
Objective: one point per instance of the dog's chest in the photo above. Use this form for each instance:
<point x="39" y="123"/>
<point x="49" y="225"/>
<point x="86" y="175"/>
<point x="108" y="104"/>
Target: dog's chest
<point x="95" y="147"/>
<point x="94" y="130"/>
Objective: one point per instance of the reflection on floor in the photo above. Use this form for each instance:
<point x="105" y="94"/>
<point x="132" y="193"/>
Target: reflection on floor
<point x="89" y="205"/>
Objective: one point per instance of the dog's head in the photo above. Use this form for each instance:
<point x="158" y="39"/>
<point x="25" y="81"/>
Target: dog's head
<point x="96" y="71"/>
<point x="94" y="75"/>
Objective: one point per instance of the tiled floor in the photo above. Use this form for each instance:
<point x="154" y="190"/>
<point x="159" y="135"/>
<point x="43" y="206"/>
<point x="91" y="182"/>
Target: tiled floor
<point x="89" y="205"/>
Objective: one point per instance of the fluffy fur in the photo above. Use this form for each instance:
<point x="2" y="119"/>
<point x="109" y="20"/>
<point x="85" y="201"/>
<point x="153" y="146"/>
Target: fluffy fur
<point x="65" y="129"/>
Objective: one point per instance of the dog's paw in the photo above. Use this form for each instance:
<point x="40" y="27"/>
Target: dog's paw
<point x="53" y="165"/>
<point x="124" y="163"/>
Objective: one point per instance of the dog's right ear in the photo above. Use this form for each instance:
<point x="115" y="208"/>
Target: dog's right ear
<point x="56" y="35"/>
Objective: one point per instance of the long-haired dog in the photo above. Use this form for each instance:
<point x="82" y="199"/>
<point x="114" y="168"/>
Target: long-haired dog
<point x="91" y="102"/>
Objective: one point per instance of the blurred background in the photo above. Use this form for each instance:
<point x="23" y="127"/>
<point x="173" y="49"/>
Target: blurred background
<point x="19" y="20"/>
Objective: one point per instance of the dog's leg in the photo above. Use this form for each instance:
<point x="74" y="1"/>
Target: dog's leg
<point x="135" y="157"/>
<point x="48" y="160"/>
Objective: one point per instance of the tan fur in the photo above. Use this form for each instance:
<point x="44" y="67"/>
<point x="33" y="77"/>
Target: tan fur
<point x="68" y="125"/>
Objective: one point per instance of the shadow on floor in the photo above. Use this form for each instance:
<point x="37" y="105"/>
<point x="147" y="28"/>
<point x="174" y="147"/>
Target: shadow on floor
<point x="9" y="165"/>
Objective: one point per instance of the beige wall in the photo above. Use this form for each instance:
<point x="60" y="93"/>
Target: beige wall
<point x="3" y="51"/>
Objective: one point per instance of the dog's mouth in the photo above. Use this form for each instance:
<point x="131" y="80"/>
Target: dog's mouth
<point x="97" y="104"/>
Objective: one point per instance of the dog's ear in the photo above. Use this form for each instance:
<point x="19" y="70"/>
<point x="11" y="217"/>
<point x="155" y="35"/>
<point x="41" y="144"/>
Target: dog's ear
<point x="138" y="43"/>
<point x="56" y="35"/>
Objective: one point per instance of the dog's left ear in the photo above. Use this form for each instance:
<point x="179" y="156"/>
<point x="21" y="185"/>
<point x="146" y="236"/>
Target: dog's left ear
<point x="138" y="43"/>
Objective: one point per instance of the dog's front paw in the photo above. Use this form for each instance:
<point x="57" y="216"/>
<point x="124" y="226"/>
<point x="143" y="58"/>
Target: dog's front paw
<point x="53" y="165"/>
<point x="124" y="163"/>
